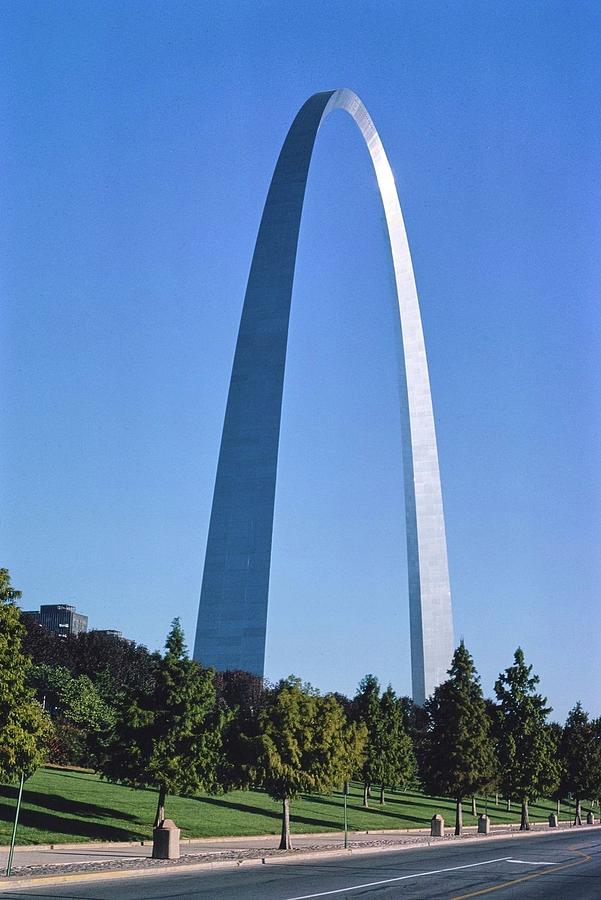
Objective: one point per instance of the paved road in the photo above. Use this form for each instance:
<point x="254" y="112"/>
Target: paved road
<point x="538" y="868"/>
<point x="102" y="852"/>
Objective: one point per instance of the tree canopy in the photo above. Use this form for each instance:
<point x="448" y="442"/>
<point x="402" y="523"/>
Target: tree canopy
<point x="580" y="754"/>
<point x="388" y="758"/>
<point x="458" y="757"/>
<point x="117" y="666"/>
<point x="170" y="737"/>
<point x="305" y="745"/>
<point x="24" y="728"/>
<point x="526" y="746"/>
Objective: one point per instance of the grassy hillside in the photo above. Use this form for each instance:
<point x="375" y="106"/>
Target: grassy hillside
<point x="66" y="806"/>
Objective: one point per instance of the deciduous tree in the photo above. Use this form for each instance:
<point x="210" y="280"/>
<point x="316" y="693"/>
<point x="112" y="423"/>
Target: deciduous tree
<point x="79" y="714"/>
<point x="115" y="665"/>
<point x="24" y="728"/>
<point x="305" y="745"/>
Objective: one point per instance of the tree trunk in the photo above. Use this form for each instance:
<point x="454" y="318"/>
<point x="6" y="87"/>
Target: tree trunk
<point x="558" y="807"/>
<point x="474" y="810"/>
<point x="160" y="813"/>
<point x="578" y="815"/>
<point x="509" y="804"/>
<point x="496" y="798"/>
<point x="382" y="799"/>
<point x="366" y="795"/>
<point x="524" y="821"/>
<point x="285" y="843"/>
<point x="458" y="816"/>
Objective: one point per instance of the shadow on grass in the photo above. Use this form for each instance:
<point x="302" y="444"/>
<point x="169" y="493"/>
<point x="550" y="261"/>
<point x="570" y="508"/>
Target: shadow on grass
<point x="93" y="831"/>
<point x="64" y="773"/>
<point x="269" y="813"/>
<point x="61" y="804"/>
<point x="375" y="810"/>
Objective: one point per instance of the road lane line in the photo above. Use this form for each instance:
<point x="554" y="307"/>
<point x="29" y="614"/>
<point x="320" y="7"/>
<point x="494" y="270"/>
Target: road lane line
<point x="527" y="862"/>
<point x="358" y="887"/>
<point x="500" y="887"/>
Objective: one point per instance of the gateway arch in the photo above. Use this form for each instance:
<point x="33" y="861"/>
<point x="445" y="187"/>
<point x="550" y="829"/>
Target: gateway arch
<point x="232" y="616"/>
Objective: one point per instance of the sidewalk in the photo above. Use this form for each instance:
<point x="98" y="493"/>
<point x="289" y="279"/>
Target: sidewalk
<point x="72" y="858"/>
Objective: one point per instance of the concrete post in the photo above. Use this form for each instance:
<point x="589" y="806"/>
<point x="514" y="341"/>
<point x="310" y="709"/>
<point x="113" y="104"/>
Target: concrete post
<point x="165" y="840"/>
<point x="484" y="825"/>
<point x="553" y="822"/>
<point x="437" y="826"/>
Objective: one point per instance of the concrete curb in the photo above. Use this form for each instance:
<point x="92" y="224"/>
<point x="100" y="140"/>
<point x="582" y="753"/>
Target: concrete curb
<point x="18" y="882"/>
<point x="240" y="838"/>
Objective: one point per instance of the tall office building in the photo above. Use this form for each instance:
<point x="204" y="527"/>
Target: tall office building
<point x="59" y="618"/>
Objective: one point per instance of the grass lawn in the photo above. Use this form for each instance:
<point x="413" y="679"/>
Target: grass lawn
<point x="67" y="806"/>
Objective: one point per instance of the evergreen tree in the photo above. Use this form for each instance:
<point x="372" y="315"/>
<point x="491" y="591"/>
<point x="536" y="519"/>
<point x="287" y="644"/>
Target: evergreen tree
<point x="596" y="729"/>
<point x="394" y="752"/>
<point x="492" y="711"/>
<point x="368" y="711"/>
<point x="171" y="737"/>
<point x="305" y="745"/>
<point x="457" y="758"/>
<point x="526" y="747"/>
<point x="24" y="728"/>
<point x="415" y="723"/>
<point x="580" y="753"/>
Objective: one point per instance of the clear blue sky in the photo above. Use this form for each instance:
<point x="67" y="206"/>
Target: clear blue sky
<point x="138" y="141"/>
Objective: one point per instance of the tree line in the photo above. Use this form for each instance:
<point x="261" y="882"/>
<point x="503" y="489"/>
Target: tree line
<point x="163" y="721"/>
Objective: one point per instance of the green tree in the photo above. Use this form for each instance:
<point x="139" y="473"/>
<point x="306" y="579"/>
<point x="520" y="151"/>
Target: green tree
<point x="526" y="747"/>
<point x="368" y="711"/>
<point x="84" y="706"/>
<point x="115" y="665"/>
<point x="596" y="728"/>
<point x="415" y="723"/>
<point x="457" y="758"/>
<point x="305" y="745"/>
<point x="580" y="754"/>
<point x="24" y="729"/>
<point x="79" y="713"/>
<point x="77" y="700"/>
<point x="168" y="738"/>
<point x="395" y="760"/>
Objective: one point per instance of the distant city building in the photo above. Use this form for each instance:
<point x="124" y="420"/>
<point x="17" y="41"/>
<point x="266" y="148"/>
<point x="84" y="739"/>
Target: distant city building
<point x="111" y="632"/>
<point x="60" y="618"/>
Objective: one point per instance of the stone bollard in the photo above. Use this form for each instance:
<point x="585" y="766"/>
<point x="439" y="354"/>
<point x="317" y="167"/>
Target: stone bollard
<point x="553" y="820"/>
<point x="484" y="825"/>
<point x="165" y="840"/>
<point x="590" y="819"/>
<point x="437" y="826"/>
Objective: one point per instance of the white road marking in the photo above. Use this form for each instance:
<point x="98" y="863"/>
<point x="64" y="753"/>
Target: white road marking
<point x="358" y="887"/>
<point x="527" y="862"/>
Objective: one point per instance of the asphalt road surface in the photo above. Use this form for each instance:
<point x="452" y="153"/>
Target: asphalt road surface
<point x="537" y="868"/>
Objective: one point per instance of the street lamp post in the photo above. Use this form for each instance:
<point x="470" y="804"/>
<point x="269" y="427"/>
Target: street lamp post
<point x="345" y="816"/>
<point x="14" y="834"/>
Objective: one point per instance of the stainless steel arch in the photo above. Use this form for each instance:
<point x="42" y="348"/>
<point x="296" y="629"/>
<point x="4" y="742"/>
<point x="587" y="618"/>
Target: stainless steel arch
<point x="232" y="615"/>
